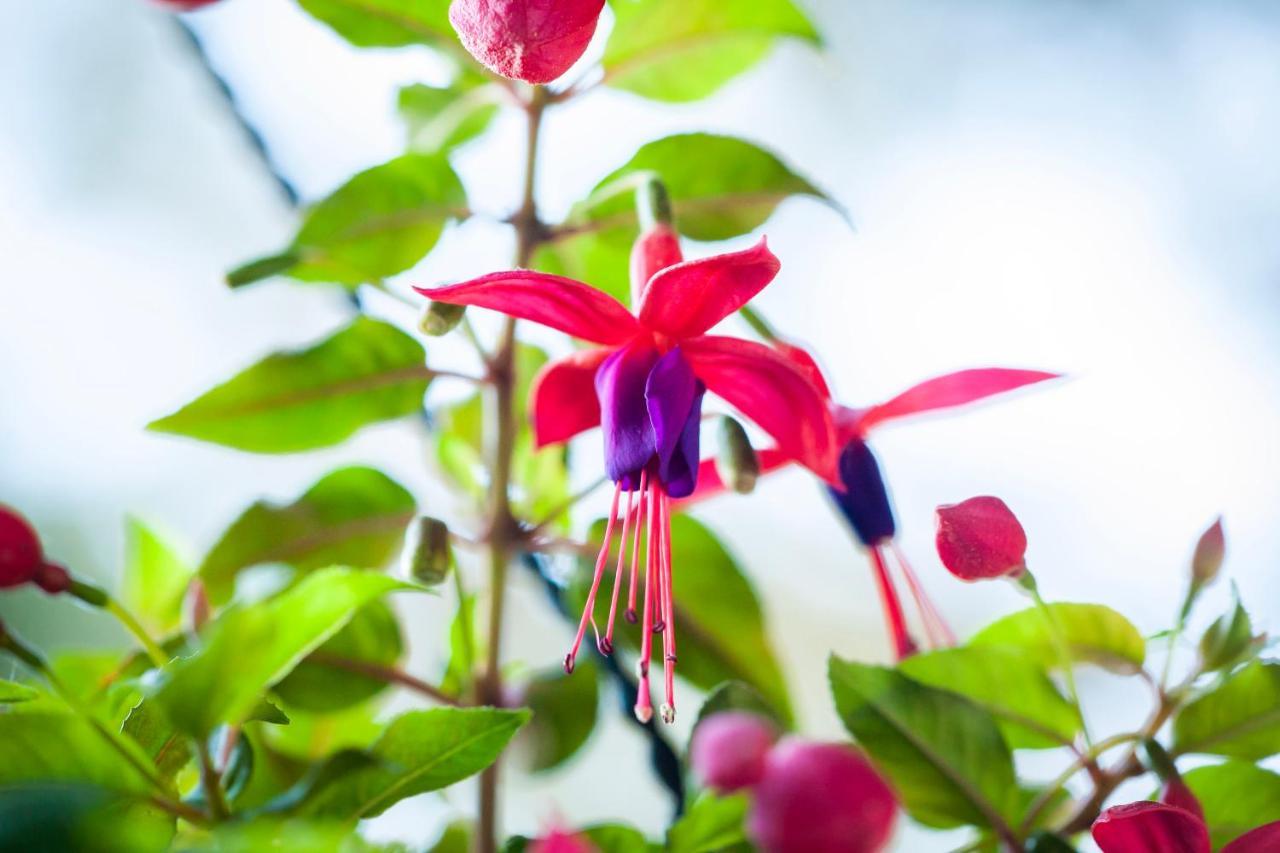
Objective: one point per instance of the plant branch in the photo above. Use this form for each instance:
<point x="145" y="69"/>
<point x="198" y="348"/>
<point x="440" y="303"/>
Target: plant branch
<point x="388" y="674"/>
<point x="211" y="783"/>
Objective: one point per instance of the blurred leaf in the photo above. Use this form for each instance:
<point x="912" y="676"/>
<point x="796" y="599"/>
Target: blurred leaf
<point x="261" y="268"/>
<point x="617" y="838"/>
<point x="155" y="578"/>
<point x="251" y="647"/>
<point x="294" y="836"/>
<point x="316" y="397"/>
<point x="1240" y="718"/>
<point x="352" y="517"/>
<point x="683" y="50"/>
<point x="442" y="118"/>
<point x="318" y="684"/>
<point x="11" y="692"/>
<point x="386" y="23"/>
<point x="75" y="817"/>
<point x="168" y="750"/>
<point x="541" y="479"/>
<point x="721" y="187"/>
<point x="720" y="627"/>
<point x="943" y="754"/>
<point x="1229" y="640"/>
<point x="464" y="649"/>
<point x="564" y="714"/>
<point x="1236" y="797"/>
<point x="456" y="838"/>
<point x="48" y="746"/>
<point x="1093" y="632"/>
<point x="311" y="737"/>
<point x="318" y="778"/>
<point x="711" y="824"/>
<point x="736" y="696"/>
<point x="420" y="751"/>
<point x="1047" y="842"/>
<point x="1030" y="711"/>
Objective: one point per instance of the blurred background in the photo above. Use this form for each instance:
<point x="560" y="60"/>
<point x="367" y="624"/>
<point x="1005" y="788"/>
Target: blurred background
<point x="1075" y="185"/>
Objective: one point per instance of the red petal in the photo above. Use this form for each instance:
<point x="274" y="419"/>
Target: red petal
<point x="563" y="399"/>
<point x="1264" y="839"/>
<point x="953" y="389"/>
<point x="771" y="391"/>
<point x="687" y="299"/>
<point x="802" y="359"/>
<point x="1150" y="827"/>
<point x="710" y="484"/>
<point x="564" y="304"/>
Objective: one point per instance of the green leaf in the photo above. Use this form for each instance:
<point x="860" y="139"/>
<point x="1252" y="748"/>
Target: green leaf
<point x="1236" y="797"/>
<point x="48" y="746"/>
<point x="314" y="737"/>
<point x="711" y="824"/>
<point x="319" y="684"/>
<point x="442" y="118"/>
<point x="251" y="647"/>
<point x="720" y="627"/>
<point x="1240" y="718"/>
<point x="353" y="517"/>
<point x="421" y="751"/>
<point x="78" y="817"/>
<point x="683" y="50"/>
<point x="736" y="696"/>
<point x="294" y="836"/>
<point x="617" y="838"/>
<point x="315" y="397"/>
<point x="386" y="23"/>
<point x="564" y="714"/>
<point x="456" y="838"/>
<point x="1229" y="641"/>
<point x="11" y="692"/>
<point x="168" y="750"/>
<point x="464" y="648"/>
<point x="1030" y="711"/>
<point x="261" y="268"/>
<point x="943" y="754"/>
<point x="155" y="578"/>
<point x="720" y="188"/>
<point x="1094" y="634"/>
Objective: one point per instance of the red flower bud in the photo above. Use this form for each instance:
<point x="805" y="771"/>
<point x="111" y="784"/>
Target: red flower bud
<point x="980" y="538"/>
<point x="729" y="749"/>
<point x="531" y="40"/>
<point x="20" y="553"/>
<point x="560" y="841"/>
<point x="1209" y="554"/>
<point x="1148" y="827"/>
<point x="821" y="796"/>
<point x="185" y="5"/>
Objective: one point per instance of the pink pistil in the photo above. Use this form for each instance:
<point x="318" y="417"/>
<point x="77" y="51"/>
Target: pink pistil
<point x="644" y="704"/>
<point x="668" y="598"/>
<point x="904" y="646"/>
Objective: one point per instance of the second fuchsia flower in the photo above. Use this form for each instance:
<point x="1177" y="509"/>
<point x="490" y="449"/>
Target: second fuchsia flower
<point x="644" y="385"/>
<point x="981" y="539"/>
<point x="531" y="40"/>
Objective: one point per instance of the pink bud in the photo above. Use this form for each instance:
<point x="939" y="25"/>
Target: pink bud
<point x="531" y="40"/>
<point x="20" y="553"/>
<point x="729" y="749"/>
<point x="821" y="796"/>
<point x="1209" y="554"/>
<point x="185" y="5"/>
<point x="980" y="538"/>
<point x="561" y="841"/>
<point x="655" y="250"/>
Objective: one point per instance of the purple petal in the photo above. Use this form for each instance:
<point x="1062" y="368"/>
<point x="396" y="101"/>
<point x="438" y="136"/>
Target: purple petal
<point x="628" y="433"/>
<point x="680" y="474"/>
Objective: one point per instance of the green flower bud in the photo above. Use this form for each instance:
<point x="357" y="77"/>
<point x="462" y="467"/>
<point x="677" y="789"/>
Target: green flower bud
<point x="737" y="463"/>
<point x="432" y="553"/>
<point x="440" y="318"/>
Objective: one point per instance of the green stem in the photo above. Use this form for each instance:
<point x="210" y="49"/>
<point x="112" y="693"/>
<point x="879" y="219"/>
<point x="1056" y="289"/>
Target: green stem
<point x="1083" y="760"/>
<point x="758" y="323"/>
<point x="211" y="783"/>
<point x="157" y="655"/>
<point x="1063" y="651"/>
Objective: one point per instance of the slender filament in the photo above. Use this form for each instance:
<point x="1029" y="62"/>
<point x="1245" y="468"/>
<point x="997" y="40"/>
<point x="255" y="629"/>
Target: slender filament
<point x="904" y="646"/>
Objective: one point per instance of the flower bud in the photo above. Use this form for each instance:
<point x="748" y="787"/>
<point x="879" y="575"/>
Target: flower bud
<point x="432" y="554"/>
<point x="440" y="318"/>
<point x="821" y="796"/>
<point x="1206" y="562"/>
<point x="737" y="463"/>
<point x="185" y="5"/>
<point x="20" y="553"/>
<point x="531" y="40"/>
<point x="981" y="538"/>
<point x="561" y="841"/>
<point x="729" y="749"/>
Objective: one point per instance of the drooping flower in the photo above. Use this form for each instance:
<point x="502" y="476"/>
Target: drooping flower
<point x="980" y="539"/>
<point x="531" y="40"/>
<point x="1151" y="827"/>
<point x="861" y="495"/>
<point x="22" y="558"/>
<point x="644" y="385"/>
<point x="729" y="750"/>
<point x="820" y="796"/>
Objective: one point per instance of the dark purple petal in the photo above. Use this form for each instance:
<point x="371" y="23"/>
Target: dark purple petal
<point x="864" y="501"/>
<point x="628" y="433"/>
<point x="680" y="473"/>
<point x="669" y="395"/>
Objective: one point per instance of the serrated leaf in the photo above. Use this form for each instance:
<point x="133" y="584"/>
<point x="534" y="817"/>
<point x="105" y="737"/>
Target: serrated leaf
<point x="683" y="50"/>
<point x="564" y="714"/>
<point x="1229" y="640"/>
<point x="11" y="692"/>
<point x="1094" y="634"/>
<point x="943" y="754"/>
<point x="1239" y="718"/>
<point x="48" y="746"/>
<point x="711" y="824"/>
<point x="315" y="397"/>
<point x="386" y="23"/>
<point x="1030" y="711"/>
<point x="420" y="751"/>
<point x="442" y="118"/>
<point x="1236" y="797"/>
<point x="319" y="684"/>
<point x="155" y="578"/>
<point x="251" y="647"/>
<point x="353" y="517"/>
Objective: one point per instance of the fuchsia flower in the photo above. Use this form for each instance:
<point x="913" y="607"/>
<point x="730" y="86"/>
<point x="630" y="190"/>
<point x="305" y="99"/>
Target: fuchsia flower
<point x="861" y="495"/>
<point x="531" y="40"/>
<point x="729" y="750"/>
<point x="981" y="539"/>
<point x="22" y="557"/>
<point x="561" y="841"/>
<point x="1151" y="827"/>
<point x="644" y="385"/>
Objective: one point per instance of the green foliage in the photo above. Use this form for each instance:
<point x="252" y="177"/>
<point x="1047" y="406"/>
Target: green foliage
<point x="1240" y="718"/>
<point x="442" y="118"/>
<point x="1229" y="640"/>
<point x="294" y="836"/>
<point x="148" y="726"/>
<point x="386" y="23"/>
<point x="155" y="578"/>
<point x="564" y="714"/>
<point x="711" y="824"/>
<point x="315" y="397"/>
<point x="1236" y="796"/>
<point x="1094" y="634"/>
<point x="464" y="648"/>
<point x="73" y="817"/>
<point x="353" y="517"/>
<point x="420" y="751"/>
<point x="1030" y="711"/>
<point x="251" y="647"/>
<point x="11" y="692"/>
<point x="683" y="50"/>
<point x="943" y="754"/>
<point x="321" y="684"/>
<point x="736" y="696"/>
<point x="50" y="746"/>
<point x="721" y="187"/>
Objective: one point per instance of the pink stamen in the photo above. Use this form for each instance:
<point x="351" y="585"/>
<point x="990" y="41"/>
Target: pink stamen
<point x="644" y="705"/>
<point x="929" y="614"/>
<point x="904" y="646"/>
<point x="635" y="552"/>
<point x="588" y="609"/>
<point x="668" y="601"/>
<point x="606" y="646"/>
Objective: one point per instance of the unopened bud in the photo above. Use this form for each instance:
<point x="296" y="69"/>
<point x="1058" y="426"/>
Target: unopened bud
<point x="980" y="538"/>
<point x="736" y="462"/>
<point x="440" y="318"/>
<point x="196" y="605"/>
<point x="728" y="749"/>
<point x="1206" y="562"/>
<point x="432" y="554"/>
<point x="525" y="40"/>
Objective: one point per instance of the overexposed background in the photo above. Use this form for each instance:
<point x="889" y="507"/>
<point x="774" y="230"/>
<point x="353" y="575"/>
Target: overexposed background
<point x="1090" y="187"/>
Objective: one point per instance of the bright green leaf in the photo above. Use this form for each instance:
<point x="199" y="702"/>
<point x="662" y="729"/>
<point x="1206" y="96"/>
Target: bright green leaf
<point x="155" y="578"/>
<point x="1031" y="712"/>
<point x="319" y="684"/>
<point x="251" y="647"/>
<point x="316" y="397"/>
<point x="313" y="737"/>
<point x="150" y="729"/>
<point x="11" y="692"/>
<point x="442" y="118"/>
<point x="421" y="751"/>
<point x="294" y="836"/>
<point x="710" y="825"/>
<point x="943" y="754"/>
<point x="1236" y="797"/>
<point x="352" y="517"/>
<point x="456" y="838"/>
<point x="1093" y="632"/>
<point x="564" y="714"/>
<point x="1229" y="640"/>
<point x="617" y="838"/>
<point x="1239" y="718"/>
<point x="49" y="746"/>
<point x="683" y="50"/>
<point x="386" y="23"/>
